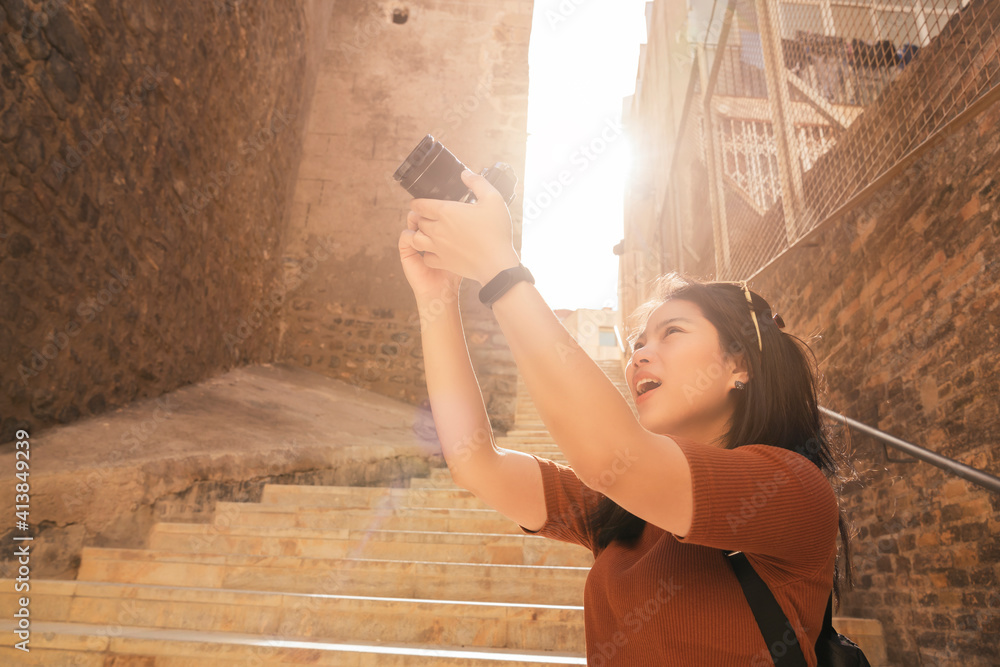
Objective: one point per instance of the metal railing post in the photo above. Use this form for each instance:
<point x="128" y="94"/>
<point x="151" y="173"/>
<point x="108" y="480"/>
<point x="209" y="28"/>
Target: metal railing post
<point x="716" y="199"/>
<point x="778" y="98"/>
<point x="713" y="157"/>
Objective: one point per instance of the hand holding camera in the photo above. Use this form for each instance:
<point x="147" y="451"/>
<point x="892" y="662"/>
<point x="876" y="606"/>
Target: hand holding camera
<point x="460" y="223"/>
<point x="430" y="171"/>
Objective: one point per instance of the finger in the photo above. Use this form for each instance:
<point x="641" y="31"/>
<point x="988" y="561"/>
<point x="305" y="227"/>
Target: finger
<point x="432" y="261"/>
<point x="406" y="243"/>
<point x="419" y="222"/>
<point x="479" y="185"/>
<point x="427" y="208"/>
<point x="422" y="242"/>
<point x="412" y="221"/>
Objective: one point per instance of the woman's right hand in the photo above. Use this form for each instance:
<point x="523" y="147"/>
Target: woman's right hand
<point x="427" y="284"/>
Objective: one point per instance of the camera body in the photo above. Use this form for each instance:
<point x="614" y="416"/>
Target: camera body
<point x="431" y="171"/>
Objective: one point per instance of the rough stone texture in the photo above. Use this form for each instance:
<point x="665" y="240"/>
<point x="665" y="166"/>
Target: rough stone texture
<point x="454" y="70"/>
<point x="951" y="72"/>
<point x="147" y="160"/>
<point x="105" y="480"/>
<point x="904" y="290"/>
<point x="906" y="293"/>
<point x="381" y="351"/>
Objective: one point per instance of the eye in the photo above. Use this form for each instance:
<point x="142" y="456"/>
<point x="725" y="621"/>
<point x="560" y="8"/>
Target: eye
<point x="669" y="330"/>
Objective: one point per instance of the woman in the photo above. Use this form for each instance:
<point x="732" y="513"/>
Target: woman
<point x="727" y="453"/>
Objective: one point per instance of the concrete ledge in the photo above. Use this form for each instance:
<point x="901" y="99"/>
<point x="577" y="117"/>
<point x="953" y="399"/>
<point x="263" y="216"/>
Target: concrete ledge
<point x="104" y="481"/>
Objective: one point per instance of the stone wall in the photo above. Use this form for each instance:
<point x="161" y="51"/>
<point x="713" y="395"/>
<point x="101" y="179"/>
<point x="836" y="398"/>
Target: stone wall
<point x="147" y="160"/>
<point x="905" y="291"/>
<point x="391" y="74"/>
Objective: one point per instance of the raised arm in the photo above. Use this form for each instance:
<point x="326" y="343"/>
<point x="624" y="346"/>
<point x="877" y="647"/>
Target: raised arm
<point x="609" y="450"/>
<point x="508" y="481"/>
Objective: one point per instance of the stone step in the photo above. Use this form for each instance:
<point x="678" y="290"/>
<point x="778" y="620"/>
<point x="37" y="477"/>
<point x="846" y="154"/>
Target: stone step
<point x="441" y="473"/>
<point x="529" y="433"/>
<point x="523" y="441"/>
<point x="526" y="584"/>
<point x="361" y="497"/>
<point x="866" y="633"/>
<point x="331" y="617"/>
<point x="437" y="519"/>
<point x="433" y="483"/>
<point x="372" y="544"/>
<point x="556" y="455"/>
<point x="84" y="645"/>
<point x="558" y="459"/>
<point x="547" y="455"/>
<point x="520" y="442"/>
<point x="547" y="447"/>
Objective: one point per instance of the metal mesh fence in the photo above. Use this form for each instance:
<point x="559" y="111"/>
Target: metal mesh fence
<point x="803" y="103"/>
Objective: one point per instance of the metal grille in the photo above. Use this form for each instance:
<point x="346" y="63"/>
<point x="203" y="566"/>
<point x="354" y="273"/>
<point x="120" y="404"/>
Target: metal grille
<point x="803" y="103"/>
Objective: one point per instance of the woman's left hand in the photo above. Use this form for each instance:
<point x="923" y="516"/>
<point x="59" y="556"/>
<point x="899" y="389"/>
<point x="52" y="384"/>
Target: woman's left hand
<point x="472" y="240"/>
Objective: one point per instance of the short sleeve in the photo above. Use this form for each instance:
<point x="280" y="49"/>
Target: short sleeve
<point x="762" y="500"/>
<point x="568" y="503"/>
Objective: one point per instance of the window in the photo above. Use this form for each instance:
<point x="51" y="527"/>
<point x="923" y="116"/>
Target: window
<point x="607" y="337"/>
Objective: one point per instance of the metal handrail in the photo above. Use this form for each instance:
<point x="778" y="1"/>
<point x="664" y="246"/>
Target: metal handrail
<point x="967" y="473"/>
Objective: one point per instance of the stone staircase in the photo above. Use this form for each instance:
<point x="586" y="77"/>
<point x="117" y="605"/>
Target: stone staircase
<point x="424" y="575"/>
<point x="350" y="576"/>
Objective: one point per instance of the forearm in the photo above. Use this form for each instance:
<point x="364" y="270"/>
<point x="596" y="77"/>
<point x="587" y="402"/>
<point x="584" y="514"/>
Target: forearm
<point x="463" y="426"/>
<point x="583" y="411"/>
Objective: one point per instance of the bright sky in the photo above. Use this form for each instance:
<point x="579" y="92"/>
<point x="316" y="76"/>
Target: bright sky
<point x="583" y="60"/>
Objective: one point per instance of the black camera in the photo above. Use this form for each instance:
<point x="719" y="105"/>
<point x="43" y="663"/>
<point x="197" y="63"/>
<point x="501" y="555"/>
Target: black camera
<point x="432" y="172"/>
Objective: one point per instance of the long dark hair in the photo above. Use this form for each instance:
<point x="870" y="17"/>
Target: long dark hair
<point x="778" y="407"/>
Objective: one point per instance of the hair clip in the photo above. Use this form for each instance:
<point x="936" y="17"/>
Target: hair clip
<point x="780" y="322"/>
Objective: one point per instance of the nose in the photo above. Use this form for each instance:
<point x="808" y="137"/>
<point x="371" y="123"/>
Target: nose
<point x="639" y="356"/>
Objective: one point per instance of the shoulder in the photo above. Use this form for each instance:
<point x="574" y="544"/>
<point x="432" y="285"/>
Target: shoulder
<point x="763" y="458"/>
<point x="787" y="461"/>
<point x="761" y="499"/>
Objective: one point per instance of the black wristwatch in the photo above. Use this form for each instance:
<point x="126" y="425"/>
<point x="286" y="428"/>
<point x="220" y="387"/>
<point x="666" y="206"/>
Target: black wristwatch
<point x="503" y="281"/>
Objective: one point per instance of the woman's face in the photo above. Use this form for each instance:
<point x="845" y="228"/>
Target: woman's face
<point x="679" y="377"/>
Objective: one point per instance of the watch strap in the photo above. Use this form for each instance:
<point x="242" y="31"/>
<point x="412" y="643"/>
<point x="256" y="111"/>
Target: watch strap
<point x="503" y="281"/>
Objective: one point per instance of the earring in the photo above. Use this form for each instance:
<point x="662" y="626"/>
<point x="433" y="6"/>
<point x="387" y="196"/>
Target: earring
<point x="740" y="385"/>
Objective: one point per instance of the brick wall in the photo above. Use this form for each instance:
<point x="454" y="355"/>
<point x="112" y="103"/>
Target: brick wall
<point x="905" y="291"/>
<point x="391" y="75"/>
<point x="147" y="159"/>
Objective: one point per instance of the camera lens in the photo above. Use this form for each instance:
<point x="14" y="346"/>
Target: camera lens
<point x="413" y="165"/>
<point x="432" y="172"/>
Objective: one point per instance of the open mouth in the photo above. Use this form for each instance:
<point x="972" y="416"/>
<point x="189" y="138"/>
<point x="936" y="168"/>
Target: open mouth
<point x="646" y="385"/>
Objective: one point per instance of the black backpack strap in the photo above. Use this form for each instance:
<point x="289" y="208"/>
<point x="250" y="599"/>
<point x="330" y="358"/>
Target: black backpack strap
<point x="773" y="623"/>
<point x="828" y="618"/>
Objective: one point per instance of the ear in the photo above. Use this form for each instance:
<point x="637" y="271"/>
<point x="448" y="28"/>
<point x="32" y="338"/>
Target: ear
<point x="738" y="369"/>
